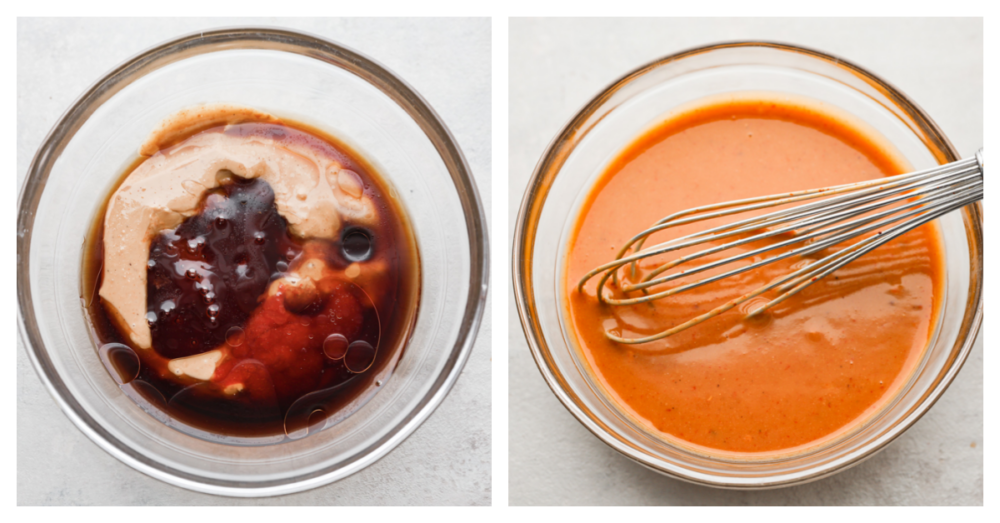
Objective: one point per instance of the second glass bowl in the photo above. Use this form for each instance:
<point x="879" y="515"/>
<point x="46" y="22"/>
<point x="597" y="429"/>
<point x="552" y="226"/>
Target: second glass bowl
<point x="578" y="155"/>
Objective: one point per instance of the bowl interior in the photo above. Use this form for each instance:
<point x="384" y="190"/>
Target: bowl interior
<point x="332" y="89"/>
<point x="576" y="159"/>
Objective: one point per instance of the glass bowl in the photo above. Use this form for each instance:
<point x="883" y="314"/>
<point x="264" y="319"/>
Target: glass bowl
<point x="292" y="75"/>
<point x="609" y="122"/>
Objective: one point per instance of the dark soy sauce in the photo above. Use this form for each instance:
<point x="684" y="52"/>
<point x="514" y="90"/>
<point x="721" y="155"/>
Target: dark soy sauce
<point x="291" y="367"/>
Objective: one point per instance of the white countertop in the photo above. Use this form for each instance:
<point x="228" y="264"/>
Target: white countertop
<point x="556" y="66"/>
<point x="447" y="460"/>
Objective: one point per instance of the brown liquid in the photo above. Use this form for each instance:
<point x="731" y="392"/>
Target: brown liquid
<point x="207" y="287"/>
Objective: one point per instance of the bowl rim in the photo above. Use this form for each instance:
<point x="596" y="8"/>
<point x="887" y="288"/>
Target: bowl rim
<point x="555" y="155"/>
<point x="298" y="43"/>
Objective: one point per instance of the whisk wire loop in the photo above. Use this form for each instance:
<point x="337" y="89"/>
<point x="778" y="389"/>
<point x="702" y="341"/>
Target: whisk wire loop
<point x="844" y="213"/>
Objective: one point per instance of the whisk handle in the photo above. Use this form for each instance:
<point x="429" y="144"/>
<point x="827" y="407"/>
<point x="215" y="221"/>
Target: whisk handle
<point x="979" y="160"/>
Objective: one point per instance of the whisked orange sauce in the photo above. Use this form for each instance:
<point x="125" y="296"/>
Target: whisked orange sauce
<point x="811" y="369"/>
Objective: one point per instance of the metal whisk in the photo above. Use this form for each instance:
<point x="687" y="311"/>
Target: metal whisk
<point x="889" y="207"/>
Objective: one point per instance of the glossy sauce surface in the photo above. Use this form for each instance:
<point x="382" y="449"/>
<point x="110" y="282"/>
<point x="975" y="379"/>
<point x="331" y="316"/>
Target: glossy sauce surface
<point x="293" y="355"/>
<point x="812" y="368"/>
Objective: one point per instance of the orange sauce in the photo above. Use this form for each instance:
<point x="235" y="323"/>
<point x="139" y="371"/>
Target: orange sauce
<point x="817" y="365"/>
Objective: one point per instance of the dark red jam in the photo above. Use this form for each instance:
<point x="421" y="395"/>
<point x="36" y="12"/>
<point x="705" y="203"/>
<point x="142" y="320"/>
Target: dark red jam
<point x="205" y="276"/>
<point x="294" y="354"/>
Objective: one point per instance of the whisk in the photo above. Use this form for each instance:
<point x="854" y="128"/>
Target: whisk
<point x="886" y="207"/>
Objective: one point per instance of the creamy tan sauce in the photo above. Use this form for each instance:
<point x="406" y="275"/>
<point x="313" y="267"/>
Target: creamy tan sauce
<point x="313" y="192"/>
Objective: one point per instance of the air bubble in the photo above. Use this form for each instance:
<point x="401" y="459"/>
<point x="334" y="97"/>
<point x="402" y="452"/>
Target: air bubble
<point x="356" y="245"/>
<point x="335" y="346"/>
<point x="121" y="361"/>
<point x="360" y="356"/>
<point x="195" y="244"/>
<point x="235" y="336"/>
<point x="212" y="310"/>
<point x="167" y="307"/>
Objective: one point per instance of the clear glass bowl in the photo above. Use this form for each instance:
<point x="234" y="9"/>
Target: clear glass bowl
<point x="576" y="157"/>
<point x="292" y="75"/>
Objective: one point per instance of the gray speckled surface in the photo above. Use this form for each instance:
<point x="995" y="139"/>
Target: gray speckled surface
<point x="556" y="67"/>
<point x="447" y="460"/>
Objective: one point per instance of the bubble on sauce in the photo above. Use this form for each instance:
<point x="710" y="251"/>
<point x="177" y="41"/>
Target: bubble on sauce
<point x="195" y="244"/>
<point x="356" y="244"/>
<point x="335" y="346"/>
<point x="360" y="356"/>
<point x="148" y="391"/>
<point x="235" y="336"/>
<point x="303" y="426"/>
<point x="121" y="362"/>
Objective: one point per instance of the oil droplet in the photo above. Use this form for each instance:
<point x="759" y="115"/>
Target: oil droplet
<point x="235" y="336"/>
<point x="335" y="346"/>
<point x="121" y="361"/>
<point x="195" y="244"/>
<point x="360" y="356"/>
<point x="167" y="307"/>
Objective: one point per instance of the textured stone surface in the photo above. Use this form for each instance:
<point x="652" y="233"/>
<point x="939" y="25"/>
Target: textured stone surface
<point x="447" y="460"/>
<point x="556" y="67"/>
